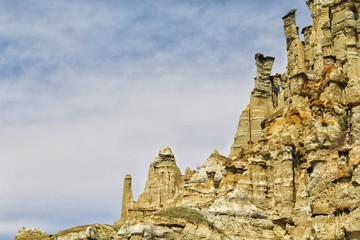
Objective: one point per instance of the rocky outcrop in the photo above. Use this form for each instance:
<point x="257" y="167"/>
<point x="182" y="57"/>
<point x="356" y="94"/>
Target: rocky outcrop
<point x="294" y="168"/>
<point x="262" y="103"/>
<point x="86" y="232"/>
<point x="172" y="223"/>
<point x="204" y="185"/>
<point x="35" y="233"/>
<point x="300" y="169"/>
<point x="163" y="188"/>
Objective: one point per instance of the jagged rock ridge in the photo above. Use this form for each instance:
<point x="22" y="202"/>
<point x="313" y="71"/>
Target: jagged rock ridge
<point x="293" y="169"/>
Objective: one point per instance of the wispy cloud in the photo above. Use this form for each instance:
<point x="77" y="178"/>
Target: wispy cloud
<point x="89" y="91"/>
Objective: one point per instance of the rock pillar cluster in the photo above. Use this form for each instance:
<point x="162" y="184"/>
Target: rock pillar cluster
<point x="304" y="165"/>
<point x="294" y="168"/>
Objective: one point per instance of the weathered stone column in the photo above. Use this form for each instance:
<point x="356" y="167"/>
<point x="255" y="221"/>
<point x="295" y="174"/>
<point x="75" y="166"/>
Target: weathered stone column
<point x="127" y="198"/>
<point x="261" y="106"/>
<point x="308" y="48"/>
<point x="259" y="182"/>
<point x="295" y="48"/>
<point x="284" y="192"/>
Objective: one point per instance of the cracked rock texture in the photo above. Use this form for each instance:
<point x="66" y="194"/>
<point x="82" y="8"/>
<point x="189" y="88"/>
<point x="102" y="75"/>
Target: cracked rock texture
<point x="293" y="171"/>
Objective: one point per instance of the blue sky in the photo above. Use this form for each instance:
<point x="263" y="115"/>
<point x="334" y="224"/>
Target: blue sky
<point x="90" y="90"/>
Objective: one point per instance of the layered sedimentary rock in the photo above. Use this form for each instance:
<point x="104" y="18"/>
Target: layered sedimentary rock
<point x="294" y="168"/>
<point x="262" y="103"/>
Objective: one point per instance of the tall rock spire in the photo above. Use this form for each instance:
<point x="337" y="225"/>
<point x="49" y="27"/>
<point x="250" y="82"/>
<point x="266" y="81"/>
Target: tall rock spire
<point x="163" y="188"/>
<point x="127" y="199"/>
<point x="262" y="103"/>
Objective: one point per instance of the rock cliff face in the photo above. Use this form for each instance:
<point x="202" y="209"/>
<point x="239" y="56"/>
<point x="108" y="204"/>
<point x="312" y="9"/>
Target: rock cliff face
<point x="293" y="170"/>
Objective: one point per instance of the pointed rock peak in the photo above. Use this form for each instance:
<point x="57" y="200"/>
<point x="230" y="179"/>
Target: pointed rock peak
<point x="165" y="152"/>
<point x="215" y="152"/>
<point x="216" y="156"/>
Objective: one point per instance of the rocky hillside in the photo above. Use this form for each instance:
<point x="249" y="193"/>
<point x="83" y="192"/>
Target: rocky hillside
<point x="293" y="170"/>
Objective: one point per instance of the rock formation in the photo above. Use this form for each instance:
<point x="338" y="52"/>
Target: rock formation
<point x="294" y="168"/>
<point x="163" y="188"/>
<point x="262" y="103"/>
<point x="34" y="233"/>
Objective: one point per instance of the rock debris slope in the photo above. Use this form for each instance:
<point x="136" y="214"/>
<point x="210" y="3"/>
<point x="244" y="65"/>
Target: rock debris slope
<point x="293" y="169"/>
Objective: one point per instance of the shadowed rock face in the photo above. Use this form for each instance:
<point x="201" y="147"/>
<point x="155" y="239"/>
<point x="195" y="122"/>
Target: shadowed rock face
<point x="293" y="170"/>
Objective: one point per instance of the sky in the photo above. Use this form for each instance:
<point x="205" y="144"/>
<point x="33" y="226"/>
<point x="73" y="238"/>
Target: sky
<point x="90" y="90"/>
